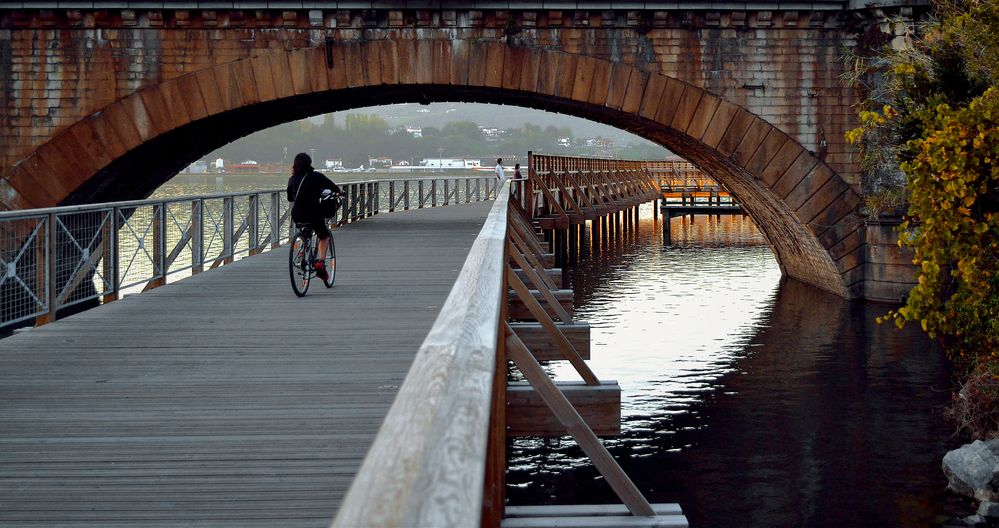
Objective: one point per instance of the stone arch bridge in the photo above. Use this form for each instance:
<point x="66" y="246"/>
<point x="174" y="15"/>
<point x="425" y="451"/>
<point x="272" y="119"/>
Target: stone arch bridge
<point x="108" y="100"/>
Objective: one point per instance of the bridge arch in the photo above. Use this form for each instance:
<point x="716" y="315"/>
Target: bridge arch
<point x="128" y="148"/>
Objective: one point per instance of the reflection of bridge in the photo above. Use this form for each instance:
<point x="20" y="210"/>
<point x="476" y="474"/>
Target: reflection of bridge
<point x="224" y="400"/>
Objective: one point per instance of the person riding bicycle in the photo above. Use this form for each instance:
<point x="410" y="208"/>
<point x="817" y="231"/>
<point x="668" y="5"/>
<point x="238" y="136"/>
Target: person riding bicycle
<point x="305" y="187"/>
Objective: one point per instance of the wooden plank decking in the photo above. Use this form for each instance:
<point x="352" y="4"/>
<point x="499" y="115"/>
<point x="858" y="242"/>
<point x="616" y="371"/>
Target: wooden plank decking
<point x="223" y="400"/>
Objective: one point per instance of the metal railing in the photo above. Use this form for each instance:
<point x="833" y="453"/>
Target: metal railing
<point x="61" y="257"/>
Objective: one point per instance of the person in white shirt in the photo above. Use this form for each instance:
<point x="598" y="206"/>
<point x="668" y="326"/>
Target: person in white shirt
<point x="500" y="175"/>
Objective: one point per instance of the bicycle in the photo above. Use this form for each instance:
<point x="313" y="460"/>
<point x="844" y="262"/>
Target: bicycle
<point x="303" y="256"/>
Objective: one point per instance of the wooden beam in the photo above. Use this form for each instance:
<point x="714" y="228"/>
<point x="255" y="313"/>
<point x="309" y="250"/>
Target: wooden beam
<point x="574" y="424"/>
<point x="537" y="338"/>
<point x="592" y="516"/>
<point x="553" y="274"/>
<point x="598" y="405"/>
<point x="543" y="288"/>
<point x="520" y="312"/>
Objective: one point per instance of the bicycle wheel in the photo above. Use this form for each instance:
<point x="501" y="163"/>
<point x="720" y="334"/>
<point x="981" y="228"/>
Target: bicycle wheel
<point x="299" y="267"/>
<point x="329" y="259"/>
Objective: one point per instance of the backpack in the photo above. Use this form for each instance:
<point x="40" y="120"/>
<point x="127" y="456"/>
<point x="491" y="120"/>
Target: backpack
<point x="328" y="204"/>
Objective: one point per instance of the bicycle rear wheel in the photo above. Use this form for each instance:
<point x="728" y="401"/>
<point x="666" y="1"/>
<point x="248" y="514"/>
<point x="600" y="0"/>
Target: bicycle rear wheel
<point x="329" y="259"/>
<point x="299" y="267"/>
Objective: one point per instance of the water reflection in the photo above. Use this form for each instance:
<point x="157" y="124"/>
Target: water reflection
<point x="749" y="400"/>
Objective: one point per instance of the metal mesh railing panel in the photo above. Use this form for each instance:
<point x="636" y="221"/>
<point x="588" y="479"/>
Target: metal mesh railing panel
<point x="137" y="264"/>
<point x="82" y="240"/>
<point x="213" y="229"/>
<point x="180" y="236"/>
<point x="241" y="225"/>
<point x="23" y="269"/>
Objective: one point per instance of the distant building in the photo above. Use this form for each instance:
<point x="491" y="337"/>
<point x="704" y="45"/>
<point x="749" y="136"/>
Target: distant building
<point x="564" y="142"/>
<point x="380" y="162"/>
<point x="416" y="131"/>
<point x="334" y="165"/>
<point x="219" y="165"/>
<point x="600" y="142"/>
<point x="451" y="163"/>
<point x="492" y="133"/>
<point x="247" y="167"/>
<point x="198" y="167"/>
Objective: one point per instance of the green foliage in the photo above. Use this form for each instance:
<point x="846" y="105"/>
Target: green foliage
<point x="932" y="117"/>
<point x="953" y="227"/>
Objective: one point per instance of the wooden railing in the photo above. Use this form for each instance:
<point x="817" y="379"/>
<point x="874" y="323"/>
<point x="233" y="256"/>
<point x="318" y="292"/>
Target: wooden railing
<point x="427" y="465"/>
<point x="439" y="457"/>
<point x="562" y="190"/>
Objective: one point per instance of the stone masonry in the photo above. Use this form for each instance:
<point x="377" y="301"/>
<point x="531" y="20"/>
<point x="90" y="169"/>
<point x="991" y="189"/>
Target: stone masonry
<point x="107" y="104"/>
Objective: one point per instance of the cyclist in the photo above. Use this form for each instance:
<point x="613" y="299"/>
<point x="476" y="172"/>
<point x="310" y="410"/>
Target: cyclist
<point x="305" y="187"/>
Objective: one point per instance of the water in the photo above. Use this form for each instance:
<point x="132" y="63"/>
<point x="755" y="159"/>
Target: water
<point x="748" y="399"/>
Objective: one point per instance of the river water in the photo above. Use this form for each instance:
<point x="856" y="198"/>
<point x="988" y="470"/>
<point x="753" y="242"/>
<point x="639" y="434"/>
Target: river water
<point x="748" y="399"/>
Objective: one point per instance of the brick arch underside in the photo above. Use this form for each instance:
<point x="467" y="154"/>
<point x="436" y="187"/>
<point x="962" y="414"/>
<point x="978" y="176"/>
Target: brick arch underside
<point x="129" y="148"/>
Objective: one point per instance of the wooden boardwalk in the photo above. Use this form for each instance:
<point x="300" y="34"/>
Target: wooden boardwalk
<point x="224" y="400"/>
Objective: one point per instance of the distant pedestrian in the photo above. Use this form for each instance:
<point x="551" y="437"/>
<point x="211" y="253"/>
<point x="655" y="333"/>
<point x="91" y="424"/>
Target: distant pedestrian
<point x="515" y="188"/>
<point x="500" y="175"/>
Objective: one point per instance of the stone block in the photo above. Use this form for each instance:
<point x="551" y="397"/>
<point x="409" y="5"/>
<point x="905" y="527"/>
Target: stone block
<point x="492" y="66"/>
<point x="354" y="64"/>
<point x="43" y="175"/>
<point x="852" y="260"/>
<point x="583" y="83"/>
<point x="262" y="76"/>
<point x="529" y="70"/>
<point x="617" y="85"/>
<point x="246" y="85"/>
<point x="755" y="135"/>
<point x="850" y="242"/>
<point x="85" y="135"/>
<point x="319" y="81"/>
<point x="670" y="100"/>
<point x="425" y="62"/>
<point x="780" y="162"/>
<point x="548" y="72"/>
<point x="800" y="167"/>
<point x="654" y="89"/>
<point x="736" y="131"/>
<point x="24" y="182"/>
<point x="633" y="95"/>
<point x="702" y="116"/>
<point x="11" y="199"/>
<point x="136" y="111"/>
<point x="225" y="80"/>
<point x="886" y="292"/>
<point x="566" y="75"/>
<point x="284" y="85"/>
<point x="845" y="205"/>
<point x="600" y="85"/>
<point x="766" y="152"/>
<point x="118" y="122"/>
<point x="686" y="107"/>
<point x="889" y="254"/>
<point x="719" y="123"/>
<point x="476" y="63"/>
<point x="513" y="65"/>
<point x="209" y="92"/>
<point x="372" y="63"/>
<point x="808" y="186"/>
<point x="905" y="273"/>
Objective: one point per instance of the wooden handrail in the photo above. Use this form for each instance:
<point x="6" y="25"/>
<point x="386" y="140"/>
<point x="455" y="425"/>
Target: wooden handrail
<point x="426" y="467"/>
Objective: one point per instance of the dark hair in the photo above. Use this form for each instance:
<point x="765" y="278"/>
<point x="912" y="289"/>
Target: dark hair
<point x="499" y="160"/>
<point x="301" y="165"/>
<point x="516" y="165"/>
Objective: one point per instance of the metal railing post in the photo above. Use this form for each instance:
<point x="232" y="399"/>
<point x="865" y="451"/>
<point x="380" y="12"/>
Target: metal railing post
<point x="275" y="219"/>
<point x="228" y="245"/>
<point x="253" y="225"/>
<point x="197" y="236"/>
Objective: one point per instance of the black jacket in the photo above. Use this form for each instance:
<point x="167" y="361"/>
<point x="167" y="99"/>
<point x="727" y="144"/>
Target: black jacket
<point x="305" y="206"/>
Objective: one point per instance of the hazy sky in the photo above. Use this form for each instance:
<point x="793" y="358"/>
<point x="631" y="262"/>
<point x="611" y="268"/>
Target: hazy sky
<point x="487" y="115"/>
